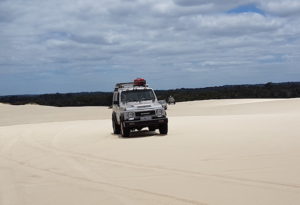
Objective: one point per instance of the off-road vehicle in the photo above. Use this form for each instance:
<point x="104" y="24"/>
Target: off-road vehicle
<point x="135" y="107"/>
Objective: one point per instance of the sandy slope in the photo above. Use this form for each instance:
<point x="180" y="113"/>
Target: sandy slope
<point x="217" y="152"/>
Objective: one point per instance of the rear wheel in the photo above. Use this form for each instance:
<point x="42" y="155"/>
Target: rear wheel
<point x="125" y="132"/>
<point x="163" y="129"/>
<point x="116" y="127"/>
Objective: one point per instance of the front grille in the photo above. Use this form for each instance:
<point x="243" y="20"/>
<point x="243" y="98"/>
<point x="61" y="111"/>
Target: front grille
<point x="145" y="113"/>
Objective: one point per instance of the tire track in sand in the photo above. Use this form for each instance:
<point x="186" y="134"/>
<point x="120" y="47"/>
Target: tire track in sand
<point x="62" y="174"/>
<point x="232" y="179"/>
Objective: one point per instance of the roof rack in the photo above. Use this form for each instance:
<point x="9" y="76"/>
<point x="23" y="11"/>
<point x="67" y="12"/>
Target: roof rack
<point x="124" y="85"/>
<point x="139" y="82"/>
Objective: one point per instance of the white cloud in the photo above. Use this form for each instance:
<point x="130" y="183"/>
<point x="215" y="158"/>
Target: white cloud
<point x="282" y="7"/>
<point x="149" y="37"/>
<point x="238" y="24"/>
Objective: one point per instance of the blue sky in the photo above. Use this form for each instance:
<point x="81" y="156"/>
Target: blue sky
<point x="89" y="45"/>
<point x="247" y="8"/>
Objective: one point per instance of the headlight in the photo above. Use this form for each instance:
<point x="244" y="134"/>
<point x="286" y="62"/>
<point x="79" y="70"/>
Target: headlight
<point x="159" y="112"/>
<point x="130" y="115"/>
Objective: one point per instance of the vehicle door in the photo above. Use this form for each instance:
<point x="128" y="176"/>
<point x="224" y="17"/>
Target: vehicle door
<point x="116" y="105"/>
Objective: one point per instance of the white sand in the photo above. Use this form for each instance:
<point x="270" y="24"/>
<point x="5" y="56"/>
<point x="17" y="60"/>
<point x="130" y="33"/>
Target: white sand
<point x="217" y="152"/>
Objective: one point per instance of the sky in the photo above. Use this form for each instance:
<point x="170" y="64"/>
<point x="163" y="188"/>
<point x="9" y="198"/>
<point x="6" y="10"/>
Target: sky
<point x="89" y="45"/>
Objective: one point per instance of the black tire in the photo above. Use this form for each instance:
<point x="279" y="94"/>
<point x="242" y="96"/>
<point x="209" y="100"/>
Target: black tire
<point x="116" y="127"/>
<point x="125" y="132"/>
<point x="163" y="129"/>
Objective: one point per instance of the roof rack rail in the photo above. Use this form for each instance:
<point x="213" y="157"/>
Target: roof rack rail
<point x="139" y="82"/>
<point x="124" y="85"/>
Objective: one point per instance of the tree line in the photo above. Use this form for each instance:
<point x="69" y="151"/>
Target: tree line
<point x="268" y="90"/>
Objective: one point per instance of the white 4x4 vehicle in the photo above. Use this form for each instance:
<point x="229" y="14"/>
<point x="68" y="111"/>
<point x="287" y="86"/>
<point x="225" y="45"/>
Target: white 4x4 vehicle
<point x="135" y="106"/>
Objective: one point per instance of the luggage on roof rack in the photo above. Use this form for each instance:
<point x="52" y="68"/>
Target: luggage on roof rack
<point x="140" y="82"/>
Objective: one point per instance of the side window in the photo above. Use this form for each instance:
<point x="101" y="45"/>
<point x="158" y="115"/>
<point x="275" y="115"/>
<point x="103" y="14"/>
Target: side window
<point x="116" y="98"/>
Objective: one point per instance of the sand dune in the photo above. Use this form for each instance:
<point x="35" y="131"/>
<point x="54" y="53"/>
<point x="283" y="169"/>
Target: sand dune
<point x="216" y="152"/>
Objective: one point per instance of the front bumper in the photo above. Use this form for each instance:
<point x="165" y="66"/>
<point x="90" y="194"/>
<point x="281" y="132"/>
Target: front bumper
<point x="149" y="123"/>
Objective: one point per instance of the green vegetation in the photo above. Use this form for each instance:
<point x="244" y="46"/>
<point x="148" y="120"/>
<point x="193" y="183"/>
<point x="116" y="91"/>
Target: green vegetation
<point x="61" y="100"/>
<point x="269" y="90"/>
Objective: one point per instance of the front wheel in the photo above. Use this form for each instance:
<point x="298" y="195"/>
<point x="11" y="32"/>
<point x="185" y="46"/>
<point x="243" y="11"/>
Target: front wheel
<point x="163" y="129"/>
<point x="125" y="132"/>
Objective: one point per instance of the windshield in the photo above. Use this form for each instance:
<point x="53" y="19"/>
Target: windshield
<point x="137" y="95"/>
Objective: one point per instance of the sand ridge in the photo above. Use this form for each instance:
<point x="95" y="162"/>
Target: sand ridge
<point x="217" y="152"/>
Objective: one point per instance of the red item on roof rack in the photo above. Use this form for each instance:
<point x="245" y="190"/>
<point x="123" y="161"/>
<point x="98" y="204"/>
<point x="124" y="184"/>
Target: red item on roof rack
<point x="140" y="82"/>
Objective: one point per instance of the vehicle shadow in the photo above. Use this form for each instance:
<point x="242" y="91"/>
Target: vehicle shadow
<point x="141" y="134"/>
